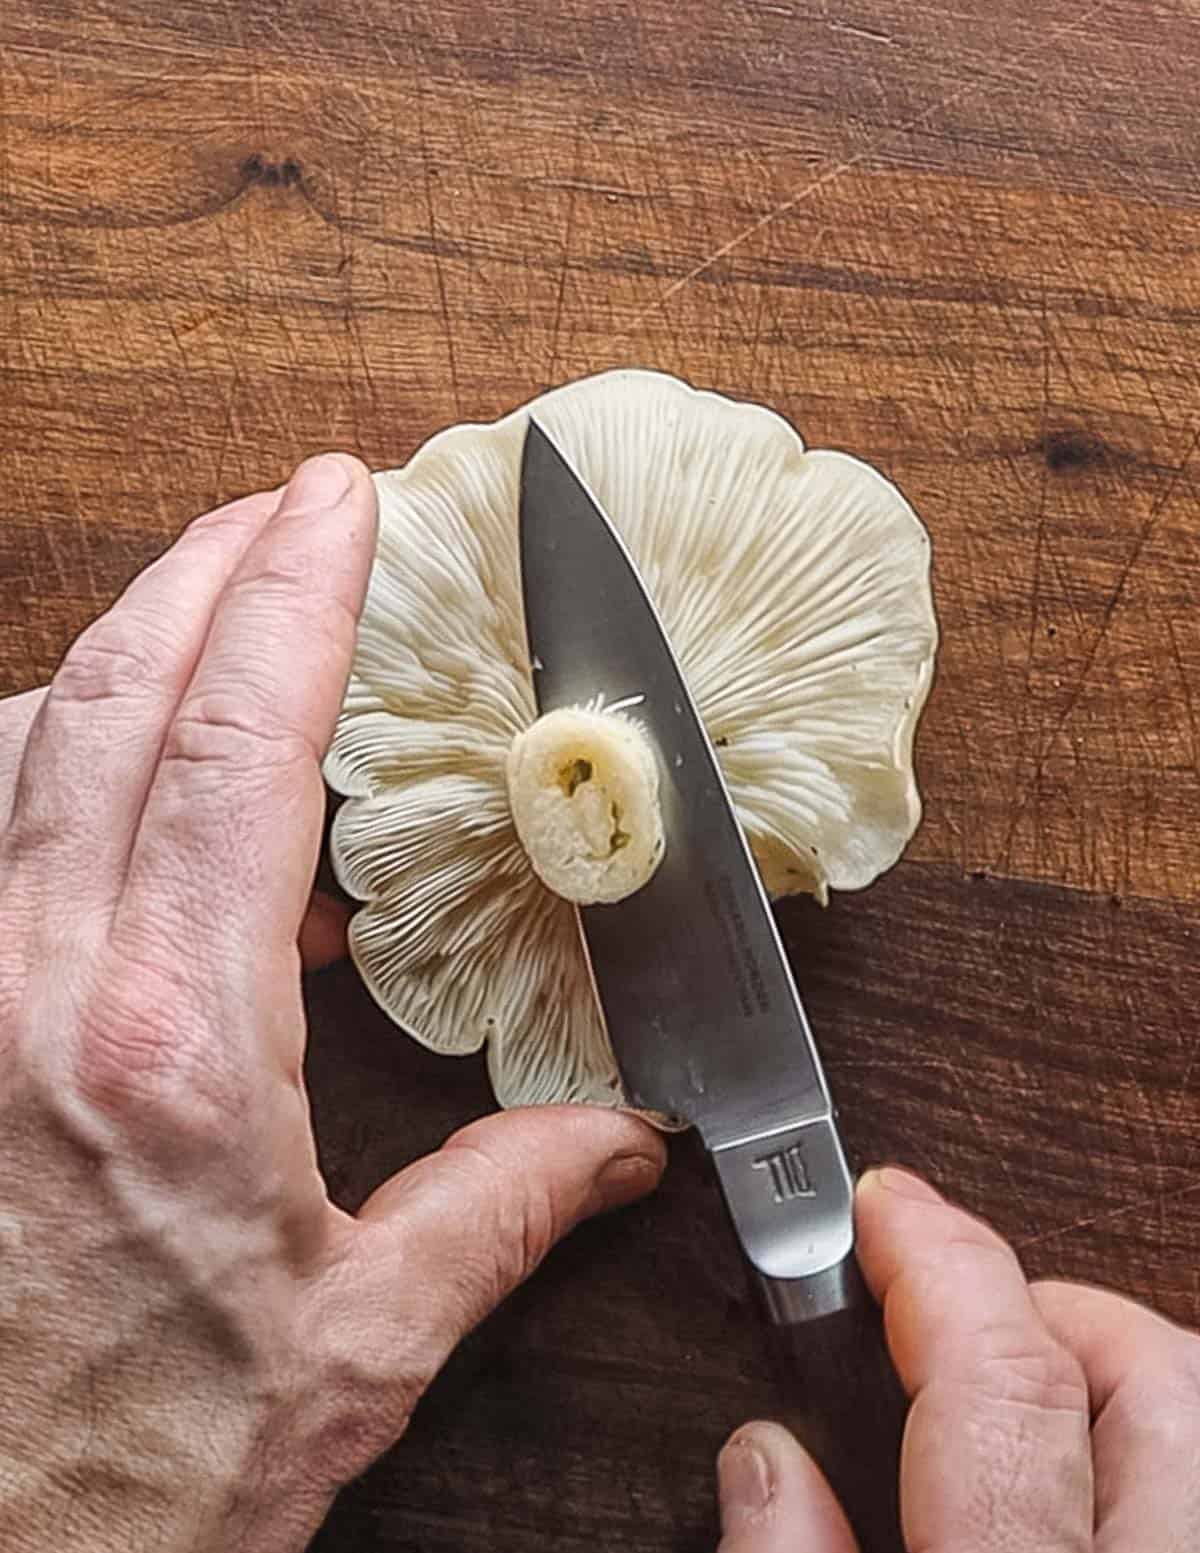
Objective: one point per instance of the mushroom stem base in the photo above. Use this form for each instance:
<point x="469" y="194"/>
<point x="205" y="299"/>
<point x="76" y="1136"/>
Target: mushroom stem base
<point x="583" y="789"/>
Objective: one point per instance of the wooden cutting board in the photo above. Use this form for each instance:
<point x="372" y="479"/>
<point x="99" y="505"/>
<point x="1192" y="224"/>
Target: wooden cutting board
<point x="962" y="241"/>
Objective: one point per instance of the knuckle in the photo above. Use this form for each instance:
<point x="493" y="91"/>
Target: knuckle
<point x="369" y="1390"/>
<point x="118" y="1061"/>
<point x="298" y="579"/>
<point x="276" y="583"/>
<point x="230" y="732"/>
<point x="233" y="520"/>
<point x="521" y="1225"/>
<point x="1157" y="1405"/>
<point x="141" y="1058"/>
<point x="1020" y="1369"/>
<point x="361" y="1417"/>
<point x="112" y="660"/>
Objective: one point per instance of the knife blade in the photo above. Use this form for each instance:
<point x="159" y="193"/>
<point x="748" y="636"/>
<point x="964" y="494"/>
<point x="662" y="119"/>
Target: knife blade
<point x="701" y="1006"/>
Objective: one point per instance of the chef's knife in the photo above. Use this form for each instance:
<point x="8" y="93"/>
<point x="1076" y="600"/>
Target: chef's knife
<point x="702" y="1011"/>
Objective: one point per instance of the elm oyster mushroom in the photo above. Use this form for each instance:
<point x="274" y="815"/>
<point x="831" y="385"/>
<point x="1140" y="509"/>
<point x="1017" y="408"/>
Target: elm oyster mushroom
<point x="795" y="588"/>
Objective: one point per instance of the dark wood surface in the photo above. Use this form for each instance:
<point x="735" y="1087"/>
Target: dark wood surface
<point x="960" y="239"/>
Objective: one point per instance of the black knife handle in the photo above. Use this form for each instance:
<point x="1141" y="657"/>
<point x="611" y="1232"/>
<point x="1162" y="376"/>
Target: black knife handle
<point x="842" y="1397"/>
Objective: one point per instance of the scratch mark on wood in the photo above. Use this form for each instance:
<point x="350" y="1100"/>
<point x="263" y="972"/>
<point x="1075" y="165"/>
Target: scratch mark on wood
<point x="1153" y="1203"/>
<point x="568" y="242"/>
<point x="962" y="1079"/>
<point x="353" y="322"/>
<point x="435" y="250"/>
<point x="96" y="599"/>
<point x="831" y="174"/>
<point x="56" y="557"/>
<point x="868" y="34"/>
<point x="1185" y="686"/>
<point x="1144" y="535"/>
<point x="143" y="90"/>
<point x="229" y="430"/>
<point x="756" y="340"/>
<point x="1043" y="491"/>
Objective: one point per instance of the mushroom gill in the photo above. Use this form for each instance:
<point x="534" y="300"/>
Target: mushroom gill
<point x="795" y="588"/>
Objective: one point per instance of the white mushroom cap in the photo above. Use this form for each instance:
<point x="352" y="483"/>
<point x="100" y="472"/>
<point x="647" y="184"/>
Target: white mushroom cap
<point x="795" y="588"/>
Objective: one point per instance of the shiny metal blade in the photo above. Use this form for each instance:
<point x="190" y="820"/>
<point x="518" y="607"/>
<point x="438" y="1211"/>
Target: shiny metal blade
<point x="702" y="1010"/>
<point x="701" y="1006"/>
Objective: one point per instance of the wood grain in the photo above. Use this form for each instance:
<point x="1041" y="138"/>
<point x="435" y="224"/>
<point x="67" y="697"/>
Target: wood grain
<point x="959" y="239"/>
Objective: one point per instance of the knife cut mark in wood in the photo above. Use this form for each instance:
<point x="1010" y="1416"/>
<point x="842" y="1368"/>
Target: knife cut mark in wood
<point x="832" y="173"/>
<point x="1141" y="540"/>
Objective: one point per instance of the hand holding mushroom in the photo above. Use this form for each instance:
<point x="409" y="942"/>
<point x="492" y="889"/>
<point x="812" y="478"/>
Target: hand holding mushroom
<point x="196" y="1348"/>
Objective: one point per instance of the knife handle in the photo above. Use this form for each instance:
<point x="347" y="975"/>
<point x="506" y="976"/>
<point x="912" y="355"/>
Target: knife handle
<point x="844" y="1400"/>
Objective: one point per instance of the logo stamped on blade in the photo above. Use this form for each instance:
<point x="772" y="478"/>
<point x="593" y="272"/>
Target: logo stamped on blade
<point x="788" y="1173"/>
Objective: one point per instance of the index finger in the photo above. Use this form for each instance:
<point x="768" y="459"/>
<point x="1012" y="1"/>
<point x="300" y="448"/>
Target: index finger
<point x="87" y="757"/>
<point x="996" y="1452"/>
<point x="229" y="834"/>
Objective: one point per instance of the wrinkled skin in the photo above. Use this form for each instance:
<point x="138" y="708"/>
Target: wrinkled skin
<point x="196" y="1347"/>
<point x="1046" y="1417"/>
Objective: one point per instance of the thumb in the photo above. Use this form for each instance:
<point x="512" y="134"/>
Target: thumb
<point x="774" y="1498"/>
<point x="440" y="1245"/>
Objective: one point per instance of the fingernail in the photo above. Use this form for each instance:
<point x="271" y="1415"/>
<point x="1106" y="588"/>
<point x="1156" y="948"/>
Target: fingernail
<point x="625" y="1178"/>
<point x="891" y="1178"/>
<point x="743" y="1484"/>
<point x="320" y="483"/>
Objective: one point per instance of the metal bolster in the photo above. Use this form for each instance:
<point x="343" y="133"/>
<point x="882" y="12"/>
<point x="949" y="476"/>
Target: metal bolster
<point x="791" y="1199"/>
